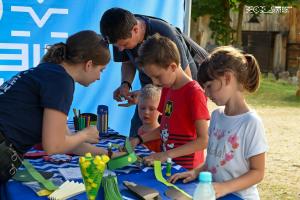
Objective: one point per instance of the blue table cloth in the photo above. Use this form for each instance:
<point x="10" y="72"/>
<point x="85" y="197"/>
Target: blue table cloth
<point x="14" y="190"/>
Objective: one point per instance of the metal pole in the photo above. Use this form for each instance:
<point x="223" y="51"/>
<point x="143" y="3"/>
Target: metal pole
<point x="187" y="16"/>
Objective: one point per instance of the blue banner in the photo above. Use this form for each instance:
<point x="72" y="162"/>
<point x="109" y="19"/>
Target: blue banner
<point x="27" y="27"/>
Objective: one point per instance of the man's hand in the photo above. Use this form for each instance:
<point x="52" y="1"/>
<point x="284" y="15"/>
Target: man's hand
<point x="121" y="92"/>
<point x="132" y="98"/>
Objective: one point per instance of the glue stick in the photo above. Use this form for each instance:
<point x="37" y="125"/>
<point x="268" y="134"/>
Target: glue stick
<point x="169" y="167"/>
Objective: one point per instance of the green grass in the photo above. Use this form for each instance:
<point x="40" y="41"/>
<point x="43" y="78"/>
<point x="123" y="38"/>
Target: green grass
<point x="274" y="93"/>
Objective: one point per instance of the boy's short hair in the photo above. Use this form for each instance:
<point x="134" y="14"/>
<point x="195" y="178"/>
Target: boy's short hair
<point x="158" y="50"/>
<point x="116" y="24"/>
<point x="150" y="91"/>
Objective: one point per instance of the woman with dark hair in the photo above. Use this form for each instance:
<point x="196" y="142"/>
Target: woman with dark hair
<point x="34" y="104"/>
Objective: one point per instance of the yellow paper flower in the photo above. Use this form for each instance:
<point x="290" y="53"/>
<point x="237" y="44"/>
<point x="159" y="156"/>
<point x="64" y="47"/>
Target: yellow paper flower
<point x="89" y="155"/>
<point x="81" y="160"/>
<point x="105" y="158"/>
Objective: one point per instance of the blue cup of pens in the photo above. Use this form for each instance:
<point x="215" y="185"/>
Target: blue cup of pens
<point x="84" y="120"/>
<point x="102" y="119"/>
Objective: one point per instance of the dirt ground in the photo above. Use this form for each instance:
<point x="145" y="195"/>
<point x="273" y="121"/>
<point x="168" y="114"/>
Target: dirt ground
<point x="282" y="175"/>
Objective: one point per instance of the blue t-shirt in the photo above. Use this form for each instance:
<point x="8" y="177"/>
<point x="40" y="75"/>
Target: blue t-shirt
<point x="24" y="97"/>
<point x="154" y="26"/>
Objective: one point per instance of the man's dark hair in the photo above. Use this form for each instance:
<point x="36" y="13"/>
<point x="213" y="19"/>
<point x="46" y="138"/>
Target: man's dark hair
<point x="116" y="24"/>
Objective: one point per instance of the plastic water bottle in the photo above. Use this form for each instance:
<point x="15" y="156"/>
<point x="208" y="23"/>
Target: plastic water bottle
<point x="204" y="190"/>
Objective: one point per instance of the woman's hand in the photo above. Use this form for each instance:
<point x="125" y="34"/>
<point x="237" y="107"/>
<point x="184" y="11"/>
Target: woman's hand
<point x="92" y="134"/>
<point x="186" y="176"/>
<point x="149" y="160"/>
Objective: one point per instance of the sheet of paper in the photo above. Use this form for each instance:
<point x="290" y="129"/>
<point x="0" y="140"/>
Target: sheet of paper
<point x="70" y="173"/>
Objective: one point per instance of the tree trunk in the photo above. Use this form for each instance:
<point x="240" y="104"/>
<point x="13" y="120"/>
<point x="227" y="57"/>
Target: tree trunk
<point x="227" y="19"/>
<point x="239" y="25"/>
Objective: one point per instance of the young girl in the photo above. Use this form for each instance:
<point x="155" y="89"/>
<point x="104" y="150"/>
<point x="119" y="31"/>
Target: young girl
<point x="183" y="127"/>
<point x="148" y="101"/>
<point x="237" y="145"/>
<point x="34" y="104"/>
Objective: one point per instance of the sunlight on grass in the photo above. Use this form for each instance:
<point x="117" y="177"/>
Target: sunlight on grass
<point x="274" y="93"/>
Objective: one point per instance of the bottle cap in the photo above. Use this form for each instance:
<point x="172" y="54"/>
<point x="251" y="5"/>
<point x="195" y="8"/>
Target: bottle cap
<point x="169" y="160"/>
<point x="205" y="177"/>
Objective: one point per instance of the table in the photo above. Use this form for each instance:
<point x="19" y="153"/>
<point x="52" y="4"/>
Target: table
<point x="14" y="190"/>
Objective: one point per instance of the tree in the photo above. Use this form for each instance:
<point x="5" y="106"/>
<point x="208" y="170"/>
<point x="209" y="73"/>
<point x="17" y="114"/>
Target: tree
<point x="219" y="10"/>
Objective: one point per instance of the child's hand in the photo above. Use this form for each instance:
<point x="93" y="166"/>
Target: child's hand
<point x="118" y="154"/>
<point x="134" y="142"/>
<point x="220" y="189"/>
<point x="186" y="176"/>
<point x="149" y="160"/>
<point x="92" y="134"/>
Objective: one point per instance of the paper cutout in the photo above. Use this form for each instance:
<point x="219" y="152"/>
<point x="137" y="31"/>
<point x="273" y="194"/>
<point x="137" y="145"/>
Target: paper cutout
<point x="38" y="177"/>
<point x="174" y="194"/>
<point x="111" y="189"/>
<point x="70" y="173"/>
<point x="24" y="176"/>
<point x="123" y="160"/>
<point x="160" y="178"/>
<point x="92" y="170"/>
<point x="66" y="190"/>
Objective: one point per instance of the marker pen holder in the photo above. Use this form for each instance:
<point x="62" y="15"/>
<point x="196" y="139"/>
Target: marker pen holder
<point x="84" y="120"/>
<point x="102" y="119"/>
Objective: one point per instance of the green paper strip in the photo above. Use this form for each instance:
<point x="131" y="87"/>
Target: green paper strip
<point x="123" y="160"/>
<point x="160" y="178"/>
<point x="38" y="177"/>
<point x="128" y="146"/>
<point x="111" y="189"/>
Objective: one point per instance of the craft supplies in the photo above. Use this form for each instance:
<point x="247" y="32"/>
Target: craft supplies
<point x="102" y="119"/>
<point x="38" y="177"/>
<point x="111" y="189"/>
<point x="160" y="178"/>
<point x="124" y="160"/>
<point x="84" y="120"/>
<point x="109" y="150"/>
<point x="169" y="167"/>
<point x="141" y="191"/>
<point x="24" y="176"/>
<point x="57" y="158"/>
<point x="92" y="169"/>
<point x="66" y="190"/>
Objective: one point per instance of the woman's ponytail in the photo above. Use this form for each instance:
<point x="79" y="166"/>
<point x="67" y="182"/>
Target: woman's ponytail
<point x="55" y="53"/>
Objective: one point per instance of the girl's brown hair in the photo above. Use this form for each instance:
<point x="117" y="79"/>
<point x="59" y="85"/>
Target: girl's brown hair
<point x="226" y="58"/>
<point x="79" y="48"/>
<point x="158" y="50"/>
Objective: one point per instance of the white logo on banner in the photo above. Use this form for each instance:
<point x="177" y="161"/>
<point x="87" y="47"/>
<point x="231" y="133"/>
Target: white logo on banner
<point x="1" y="9"/>
<point x="22" y="57"/>
<point x="43" y="20"/>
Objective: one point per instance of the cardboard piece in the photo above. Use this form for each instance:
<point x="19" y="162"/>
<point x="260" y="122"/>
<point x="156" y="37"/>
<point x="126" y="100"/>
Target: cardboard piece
<point x="175" y="194"/>
<point x="142" y="192"/>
